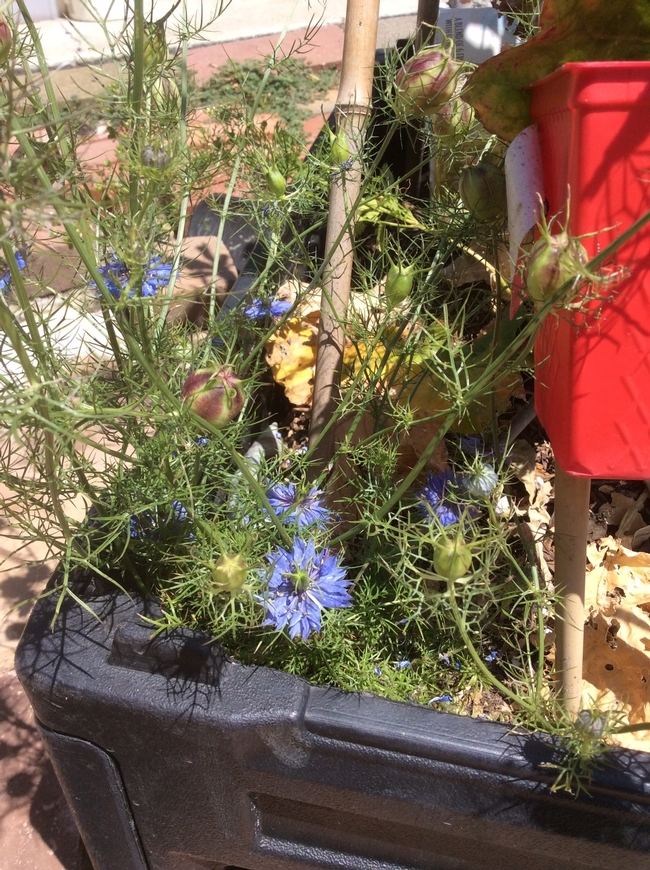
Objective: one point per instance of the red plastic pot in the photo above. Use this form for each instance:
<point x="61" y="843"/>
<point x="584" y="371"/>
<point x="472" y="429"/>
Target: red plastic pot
<point x="593" y="366"/>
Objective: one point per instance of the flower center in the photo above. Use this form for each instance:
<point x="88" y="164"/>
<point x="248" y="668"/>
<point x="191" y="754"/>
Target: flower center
<point x="300" y="579"/>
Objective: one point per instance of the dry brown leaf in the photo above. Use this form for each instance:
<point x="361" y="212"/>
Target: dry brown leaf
<point x="640" y="537"/>
<point x="291" y="355"/>
<point x="617" y="635"/>
<point x="522" y="463"/>
<point x="622" y="504"/>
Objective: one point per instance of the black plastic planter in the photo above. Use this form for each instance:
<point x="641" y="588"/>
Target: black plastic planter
<point x="172" y="757"/>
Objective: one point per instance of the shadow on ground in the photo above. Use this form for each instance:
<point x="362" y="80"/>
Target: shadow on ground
<point x="36" y="829"/>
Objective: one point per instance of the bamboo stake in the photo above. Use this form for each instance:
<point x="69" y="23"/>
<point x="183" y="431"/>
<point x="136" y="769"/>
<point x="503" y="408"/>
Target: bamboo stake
<point x="571" y="524"/>
<point x="353" y="106"/>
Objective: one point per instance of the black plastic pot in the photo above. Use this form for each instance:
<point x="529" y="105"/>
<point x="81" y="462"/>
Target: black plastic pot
<point x="172" y="757"/>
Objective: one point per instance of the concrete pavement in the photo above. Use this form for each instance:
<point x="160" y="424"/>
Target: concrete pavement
<point x="68" y="42"/>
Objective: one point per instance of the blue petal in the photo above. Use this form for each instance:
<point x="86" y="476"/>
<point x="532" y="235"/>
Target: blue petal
<point x="257" y="310"/>
<point x="279" y="307"/>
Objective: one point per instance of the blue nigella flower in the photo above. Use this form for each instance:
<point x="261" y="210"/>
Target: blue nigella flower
<point x="156" y="276"/>
<point x="5" y="276"/>
<point x="472" y="444"/>
<point x="435" y="501"/>
<point x="403" y="665"/>
<point x="302" y="583"/>
<point x="116" y="275"/>
<point x="259" y="310"/>
<point x="440" y="699"/>
<point x="492" y="656"/>
<point x="305" y="510"/>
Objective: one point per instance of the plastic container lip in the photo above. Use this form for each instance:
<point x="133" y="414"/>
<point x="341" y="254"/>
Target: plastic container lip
<point x="595" y="84"/>
<point x="622" y="67"/>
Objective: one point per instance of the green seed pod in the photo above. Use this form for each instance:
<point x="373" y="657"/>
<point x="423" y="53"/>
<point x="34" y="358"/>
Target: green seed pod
<point x="398" y="284"/>
<point x="453" y="119"/>
<point x="216" y="395"/>
<point x="230" y="572"/>
<point x="452" y="558"/>
<point x="275" y="182"/>
<point x="340" y="148"/>
<point x="482" y="189"/>
<point x="553" y="261"/>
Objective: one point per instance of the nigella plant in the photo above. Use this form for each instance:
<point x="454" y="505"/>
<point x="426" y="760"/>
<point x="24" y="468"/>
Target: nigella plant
<point x="259" y="310"/>
<point x="481" y="482"/>
<point x="302" y="583"/>
<point x="305" y="510"/>
<point x="174" y="524"/>
<point x="117" y="277"/>
<point x="5" y="277"/>
<point x="437" y="498"/>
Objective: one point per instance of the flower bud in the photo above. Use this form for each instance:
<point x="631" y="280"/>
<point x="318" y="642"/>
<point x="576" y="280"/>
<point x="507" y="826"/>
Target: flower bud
<point x="276" y="182"/>
<point x="155" y="44"/>
<point x="398" y="284"/>
<point x="452" y="558"/>
<point x="5" y="41"/>
<point x="158" y="157"/>
<point x="230" y="572"/>
<point x="148" y="155"/>
<point x="482" y="189"/>
<point x="552" y="262"/>
<point x="215" y="394"/>
<point x="426" y="82"/>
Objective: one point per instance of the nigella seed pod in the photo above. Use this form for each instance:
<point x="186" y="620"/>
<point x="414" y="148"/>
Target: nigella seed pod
<point x="398" y="284"/>
<point x="5" y="41"/>
<point x="452" y="558"/>
<point x="152" y="157"/>
<point x="426" y="82"/>
<point x="215" y="394"/>
<point x="553" y="260"/>
<point x="230" y="572"/>
<point x="482" y="483"/>
<point x="340" y="148"/>
<point x="482" y="189"/>
<point x="452" y="119"/>
<point x="276" y="182"/>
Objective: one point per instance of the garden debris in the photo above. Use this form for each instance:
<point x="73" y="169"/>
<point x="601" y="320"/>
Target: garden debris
<point x="475" y="266"/>
<point x="521" y="461"/>
<point x="291" y="355"/>
<point x="617" y="635"/>
<point x="291" y="350"/>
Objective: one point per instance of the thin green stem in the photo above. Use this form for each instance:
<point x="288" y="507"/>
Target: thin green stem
<point x="136" y="96"/>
